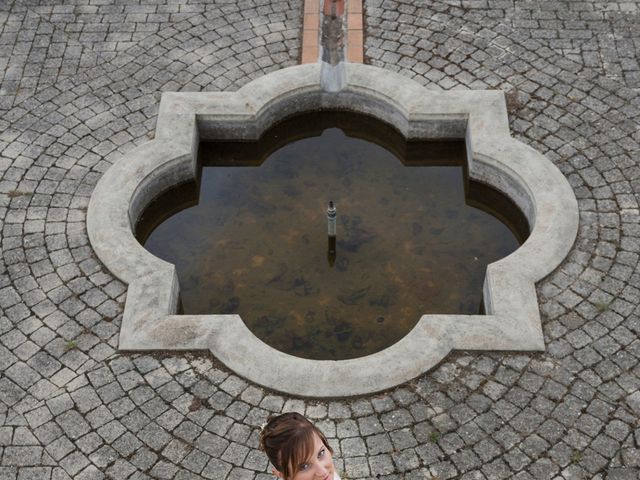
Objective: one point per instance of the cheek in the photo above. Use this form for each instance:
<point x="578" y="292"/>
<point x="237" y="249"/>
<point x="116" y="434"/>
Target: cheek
<point x="303" y="476"/>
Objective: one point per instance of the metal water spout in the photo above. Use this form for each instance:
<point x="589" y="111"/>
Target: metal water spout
<point x="331" y="231"/>
<point x="332" y="69"/>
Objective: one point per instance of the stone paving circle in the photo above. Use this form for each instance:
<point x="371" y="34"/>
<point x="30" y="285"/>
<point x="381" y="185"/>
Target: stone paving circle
<point x="80" y="84"/>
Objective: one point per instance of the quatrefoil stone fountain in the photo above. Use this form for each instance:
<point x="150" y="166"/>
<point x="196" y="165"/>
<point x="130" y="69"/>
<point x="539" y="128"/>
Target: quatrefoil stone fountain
<point x="512" y="319"/>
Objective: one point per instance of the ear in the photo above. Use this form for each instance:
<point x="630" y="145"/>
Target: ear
<point x="277" y="473"/>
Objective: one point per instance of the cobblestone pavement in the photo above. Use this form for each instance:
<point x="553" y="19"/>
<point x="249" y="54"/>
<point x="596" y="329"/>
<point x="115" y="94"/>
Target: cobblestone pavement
<point x="80" y="85"/>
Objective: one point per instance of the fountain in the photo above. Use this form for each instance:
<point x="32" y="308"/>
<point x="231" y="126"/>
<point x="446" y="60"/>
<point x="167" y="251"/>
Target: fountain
<point x="511" y="318"/>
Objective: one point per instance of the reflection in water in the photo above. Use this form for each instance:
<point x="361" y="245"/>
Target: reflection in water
<point x="255" y="242"/>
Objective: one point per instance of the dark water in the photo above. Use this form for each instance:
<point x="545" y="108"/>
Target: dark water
<point x="255" y="242"/>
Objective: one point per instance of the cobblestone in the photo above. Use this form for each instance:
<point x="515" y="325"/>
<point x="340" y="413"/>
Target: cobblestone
<point x="79" y="87"/>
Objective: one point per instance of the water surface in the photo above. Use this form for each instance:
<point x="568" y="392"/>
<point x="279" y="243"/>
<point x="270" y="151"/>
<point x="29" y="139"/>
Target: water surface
<point x="253" y="239"/>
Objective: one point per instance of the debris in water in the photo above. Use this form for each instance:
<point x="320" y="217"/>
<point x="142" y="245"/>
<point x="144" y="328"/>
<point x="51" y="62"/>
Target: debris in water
<point x="384" y="301"/>
<point x="355" y="238"/>
<point x="342" y="331"/>
<point x="354" y="297"/>
<point x="343" y="264"/>
<point x="270" y="323"/>
<point x="230" y="306"/>
<point x="302" y="287"/>
<point x="282" y="270"/>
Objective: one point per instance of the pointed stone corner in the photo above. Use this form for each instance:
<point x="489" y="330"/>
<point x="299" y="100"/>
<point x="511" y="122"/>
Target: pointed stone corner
<point x="512" y="321"/>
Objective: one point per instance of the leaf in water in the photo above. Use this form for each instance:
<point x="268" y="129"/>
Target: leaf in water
<point x="302" y="287"/>
<point x="270" y="323"/>
<point x="462" y="267"/>
<point x="355" y="238"/>
<point x="291" y="191"/>
<point x="257" y="260"/>
<point x="230" y="306"/>
<point x="384" y="301"/>
<point x="354" y="297"/>
<point x="224" y="286"/>
<point x="342" y="331"/>
<point x="278" y="276"/>
<point x="342" y="264"/>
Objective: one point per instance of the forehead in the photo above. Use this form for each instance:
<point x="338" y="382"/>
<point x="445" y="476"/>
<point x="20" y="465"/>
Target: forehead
<point x="317" y="442"/>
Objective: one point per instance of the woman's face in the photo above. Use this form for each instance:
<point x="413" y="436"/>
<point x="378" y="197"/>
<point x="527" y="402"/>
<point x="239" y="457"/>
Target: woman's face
<point x="319" y="466"/>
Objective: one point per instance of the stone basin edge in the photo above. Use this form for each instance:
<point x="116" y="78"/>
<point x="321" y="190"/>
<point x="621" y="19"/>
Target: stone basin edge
<point x="512" y="321"/>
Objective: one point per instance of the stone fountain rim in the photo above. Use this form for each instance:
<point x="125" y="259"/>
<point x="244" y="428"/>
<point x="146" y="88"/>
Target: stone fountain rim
<point x="512" y="322"/>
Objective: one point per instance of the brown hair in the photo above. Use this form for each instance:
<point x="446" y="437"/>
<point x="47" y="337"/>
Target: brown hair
<point x="288" y="440"/>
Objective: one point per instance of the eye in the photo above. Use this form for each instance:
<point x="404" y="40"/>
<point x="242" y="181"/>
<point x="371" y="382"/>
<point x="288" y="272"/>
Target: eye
<point x="304" y="467"/>
<point x="321" y="453"/>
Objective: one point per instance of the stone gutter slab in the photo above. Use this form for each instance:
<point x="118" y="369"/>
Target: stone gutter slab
<point x="313" y="12"/>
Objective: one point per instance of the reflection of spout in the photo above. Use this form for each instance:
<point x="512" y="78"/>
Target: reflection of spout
<point x="331" y="253"/>
<point x="331" y="231"/>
